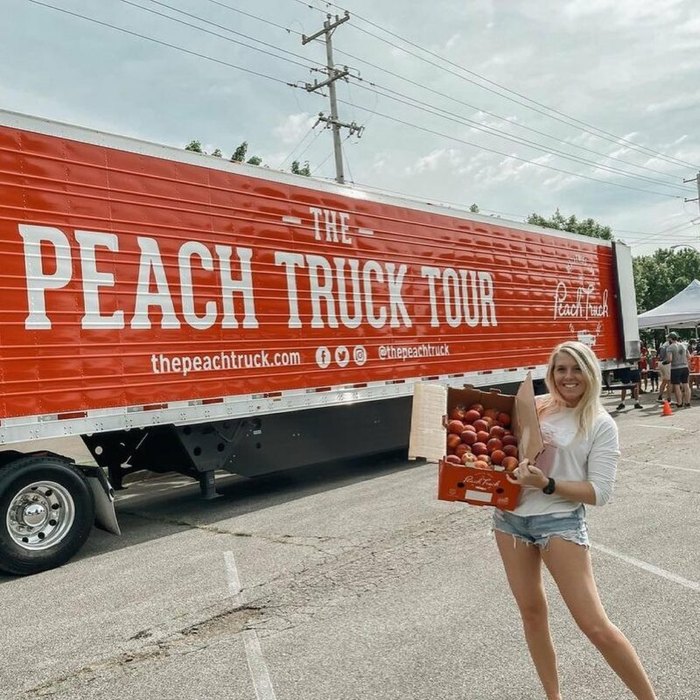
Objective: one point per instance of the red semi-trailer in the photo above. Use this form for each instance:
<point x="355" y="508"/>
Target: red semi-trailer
<point x="183" y="313"/>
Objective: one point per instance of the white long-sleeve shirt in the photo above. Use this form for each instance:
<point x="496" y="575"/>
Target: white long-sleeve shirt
<point x="567" y="457"/>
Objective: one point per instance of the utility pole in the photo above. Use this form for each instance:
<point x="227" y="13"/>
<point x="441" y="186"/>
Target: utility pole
<point x="697" y="181"/>
<point x="333" y="75"/>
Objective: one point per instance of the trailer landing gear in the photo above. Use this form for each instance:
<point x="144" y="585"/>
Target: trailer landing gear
<point x="206" y="486"/>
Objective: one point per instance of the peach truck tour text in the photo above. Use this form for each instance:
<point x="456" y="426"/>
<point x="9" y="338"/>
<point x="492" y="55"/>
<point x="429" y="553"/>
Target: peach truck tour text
<point x="342" y="291"/>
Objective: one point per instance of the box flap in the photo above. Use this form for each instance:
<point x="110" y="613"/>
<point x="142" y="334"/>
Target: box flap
<point x="427" y="438"/>
<point x="526" y="422"/>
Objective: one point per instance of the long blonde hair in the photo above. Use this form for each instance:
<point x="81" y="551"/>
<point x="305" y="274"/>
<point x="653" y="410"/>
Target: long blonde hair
<point x="589" y="405"/>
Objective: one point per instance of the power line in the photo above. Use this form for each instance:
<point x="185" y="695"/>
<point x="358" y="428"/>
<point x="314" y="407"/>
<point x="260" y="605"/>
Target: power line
<point x="159" y="41"/>
<point x="498" y="116"/>
<point x="532" y="144"/>
<point x="248" y="14"/>
<point x="509" y="155"/>
<point x="675" y="230"/>
<point x="309" y="131"/>
<point x="422" y="105"/>
<point x="221" y="36"/>
<point x="550" y="113"/>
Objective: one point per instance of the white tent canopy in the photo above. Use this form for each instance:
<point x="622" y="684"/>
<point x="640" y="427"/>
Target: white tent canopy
<point x="681" y="311"/>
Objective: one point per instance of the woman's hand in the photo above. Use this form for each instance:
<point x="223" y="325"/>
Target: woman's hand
<point x="527" y="474"/>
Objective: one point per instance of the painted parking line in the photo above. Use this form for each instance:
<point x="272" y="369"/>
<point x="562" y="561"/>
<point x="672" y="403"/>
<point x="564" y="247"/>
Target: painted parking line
<point x="256" y="663"/>
<point x="659" y="427"/>
<point x="646" y="566"/>
<point x="257" y="666"/>
<point x="234" y="583"/>
<point x="658" y="465"/>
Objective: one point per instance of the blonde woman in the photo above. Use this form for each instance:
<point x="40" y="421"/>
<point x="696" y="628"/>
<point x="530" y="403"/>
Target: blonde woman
<point x="577" y="467"/>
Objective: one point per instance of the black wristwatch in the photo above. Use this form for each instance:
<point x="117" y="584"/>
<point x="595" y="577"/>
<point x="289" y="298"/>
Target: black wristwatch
<point x="549" y="488"/>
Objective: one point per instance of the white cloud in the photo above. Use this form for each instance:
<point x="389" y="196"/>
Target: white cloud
<point x="443" y="159"/>
<point x="294" y="127"/>
<point x="624" y="12"/>
<point x="452" y="41"/>
<point x="689" y="100"/>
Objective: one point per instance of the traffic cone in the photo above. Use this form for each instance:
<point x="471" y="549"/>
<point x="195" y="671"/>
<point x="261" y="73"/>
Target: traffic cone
<point x="666" y="410"/>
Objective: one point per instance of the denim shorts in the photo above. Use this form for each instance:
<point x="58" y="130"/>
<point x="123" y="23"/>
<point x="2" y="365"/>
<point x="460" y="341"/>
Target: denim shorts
<point x="538" y="529"/>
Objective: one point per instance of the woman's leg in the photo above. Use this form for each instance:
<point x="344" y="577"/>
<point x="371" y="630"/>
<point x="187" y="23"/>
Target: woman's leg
<point x="570" y="566"/>
<point x="523" y="566"/>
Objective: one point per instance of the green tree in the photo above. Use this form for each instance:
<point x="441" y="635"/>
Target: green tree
<point x="195" y="146"/>
<point x="217" y="152"/>
<point x="584" y="227"/>
<point x="664" y="273"/>
<point x="474" y="208"/>
<point x="305" y="170"/>
<point x="239" y="154"/>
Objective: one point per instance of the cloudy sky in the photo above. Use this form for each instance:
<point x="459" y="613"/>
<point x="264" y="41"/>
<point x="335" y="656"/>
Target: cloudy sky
<point x="520" y="106"/>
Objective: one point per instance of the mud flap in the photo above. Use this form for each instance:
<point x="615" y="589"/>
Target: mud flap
<point x="103" y="493"/>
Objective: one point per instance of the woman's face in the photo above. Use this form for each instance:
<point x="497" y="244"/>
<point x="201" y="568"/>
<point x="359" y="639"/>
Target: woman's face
<point x="569" y="379"/>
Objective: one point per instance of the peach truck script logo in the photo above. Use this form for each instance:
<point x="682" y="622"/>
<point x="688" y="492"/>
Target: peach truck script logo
<point x="483" y="481"/>
<point x="579" y="303"/>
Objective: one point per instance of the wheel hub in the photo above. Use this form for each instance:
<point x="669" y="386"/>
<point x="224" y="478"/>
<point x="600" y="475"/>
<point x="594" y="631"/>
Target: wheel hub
<point x="40" y="515"/>
<point x="34" y="514"/>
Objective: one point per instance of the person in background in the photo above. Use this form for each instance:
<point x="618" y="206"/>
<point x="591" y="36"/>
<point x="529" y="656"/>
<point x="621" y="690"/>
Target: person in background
<point x="664" y="372"/>
<point x="678" y="354"/>
<point x="629" y="375"/>
<point x="548" y="526"/>
<point x="694" y="366"/>
<point x="643" y="366"/>
<point x="653" y="371"/>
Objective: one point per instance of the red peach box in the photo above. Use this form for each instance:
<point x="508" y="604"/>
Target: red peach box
<point x="479" y="487"/>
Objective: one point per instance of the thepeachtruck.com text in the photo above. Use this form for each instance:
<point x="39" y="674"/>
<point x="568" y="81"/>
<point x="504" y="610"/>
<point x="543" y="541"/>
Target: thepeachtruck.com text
<point x="184" y="364"/>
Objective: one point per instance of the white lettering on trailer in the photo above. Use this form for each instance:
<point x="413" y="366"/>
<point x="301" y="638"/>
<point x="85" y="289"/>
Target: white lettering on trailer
<point x="184" y="258"/>
<point x="290" y="261"/>
<point x="323" y="292"/>
<point x="488" y="307"/>
<point x="93" y="279"/>
<point x="354" y="265"/>
<point x="372" y="266"/>
<point x="226" y="361"/>
<point x="39" y="281"/>
<point x="335" y="229"/>
<point x="581" y="305"/>
<point x="395" y="300"/>
<point x="151" y="268"/>
<point x="152" y="288"/>
<point x="342" y="291"/>
<point x="243" y="286"/>
<point x="456" y="296"/>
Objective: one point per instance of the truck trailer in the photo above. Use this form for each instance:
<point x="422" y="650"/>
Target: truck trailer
<point x="183" y="313"/>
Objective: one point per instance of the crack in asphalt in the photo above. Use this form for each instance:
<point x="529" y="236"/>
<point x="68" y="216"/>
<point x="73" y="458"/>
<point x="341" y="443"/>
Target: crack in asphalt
<point x="193" y="638"/>
<point x="294" y="540"/>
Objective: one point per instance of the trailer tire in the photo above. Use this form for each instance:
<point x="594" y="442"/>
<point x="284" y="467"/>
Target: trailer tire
<point x="46" y="513"/>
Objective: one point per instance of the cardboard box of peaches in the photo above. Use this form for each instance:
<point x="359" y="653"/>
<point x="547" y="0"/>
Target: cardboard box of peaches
<point x="476" y="437"/>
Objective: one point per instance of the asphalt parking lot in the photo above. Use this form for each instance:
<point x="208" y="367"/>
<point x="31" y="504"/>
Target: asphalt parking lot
<point x="355" y="583"/>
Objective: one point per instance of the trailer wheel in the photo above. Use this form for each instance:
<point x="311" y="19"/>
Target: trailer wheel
<point x="46" y="513"/>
